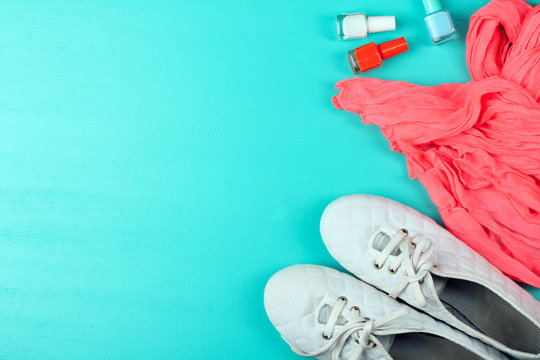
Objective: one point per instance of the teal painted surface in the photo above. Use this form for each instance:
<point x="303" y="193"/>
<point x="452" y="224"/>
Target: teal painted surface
<point x="162" y="159"/>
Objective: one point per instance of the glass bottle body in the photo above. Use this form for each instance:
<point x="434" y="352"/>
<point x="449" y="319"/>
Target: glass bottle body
<point x="440" y="27"/>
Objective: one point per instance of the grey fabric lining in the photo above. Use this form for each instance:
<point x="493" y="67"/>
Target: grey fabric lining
<point x="483" y="310"/>
<point x="414" y="346"/>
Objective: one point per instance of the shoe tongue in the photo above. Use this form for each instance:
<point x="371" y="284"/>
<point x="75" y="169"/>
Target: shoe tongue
<point x="324" y="315"/>
<point x="380" y="241"/>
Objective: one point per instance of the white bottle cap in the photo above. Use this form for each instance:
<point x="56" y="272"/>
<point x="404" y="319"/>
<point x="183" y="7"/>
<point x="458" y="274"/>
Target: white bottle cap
<point x="381" y="23"/>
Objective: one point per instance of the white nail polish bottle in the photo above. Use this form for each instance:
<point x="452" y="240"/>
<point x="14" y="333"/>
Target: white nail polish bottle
<point x="357" y="25"/>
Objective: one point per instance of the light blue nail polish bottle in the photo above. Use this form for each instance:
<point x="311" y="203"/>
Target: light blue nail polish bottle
<point x="439" y="22"/>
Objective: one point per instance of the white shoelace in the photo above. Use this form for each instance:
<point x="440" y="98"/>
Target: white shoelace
<point x="360" y="329"/>
<point x="416" y="266"/>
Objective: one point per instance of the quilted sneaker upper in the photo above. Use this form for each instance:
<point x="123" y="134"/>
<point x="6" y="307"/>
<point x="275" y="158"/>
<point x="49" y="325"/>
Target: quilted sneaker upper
<point x="299" y="298"/>
<point x="295" y="296"/>
<point x="354" y="227"/>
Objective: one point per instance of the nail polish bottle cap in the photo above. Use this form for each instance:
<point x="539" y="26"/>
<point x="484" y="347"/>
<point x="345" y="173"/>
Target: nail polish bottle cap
<point x="381" y="23"/>
<point x="432" y="6"/>
<point x="393" y="47"/>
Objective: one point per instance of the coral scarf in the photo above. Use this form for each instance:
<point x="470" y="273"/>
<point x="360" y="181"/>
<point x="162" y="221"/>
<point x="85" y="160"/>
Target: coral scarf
<point x="474" y="146"/>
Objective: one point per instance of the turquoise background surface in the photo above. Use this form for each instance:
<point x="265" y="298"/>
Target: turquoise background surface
<point x="162" y="159"/>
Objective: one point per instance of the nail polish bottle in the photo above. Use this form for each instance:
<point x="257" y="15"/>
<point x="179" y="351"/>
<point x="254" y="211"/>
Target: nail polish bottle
<point x="370" y="56"/>
<point x="357" y="25"/>
<point x="438" y="22"/>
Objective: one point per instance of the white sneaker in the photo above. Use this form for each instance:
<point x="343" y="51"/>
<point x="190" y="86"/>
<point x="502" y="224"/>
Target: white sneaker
<point x="407" y="255"/>
<point x="327" y="314"/>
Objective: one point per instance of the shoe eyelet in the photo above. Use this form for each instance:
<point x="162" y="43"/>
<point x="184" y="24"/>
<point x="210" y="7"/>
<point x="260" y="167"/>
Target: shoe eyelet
<point x="343" y="298"/>
<point x="405" y="231"/>
<point x="326" y="337"/>
<point x="355" y="308"/>
<point x="435" y="266"/>
<point x="370" y="343"/>
<point x="367" y="318"/>
<point x="413" y="243"/>
<point x="392" y="271"/>
<point x="377" y="266"/>
<point x="357" y="341"/>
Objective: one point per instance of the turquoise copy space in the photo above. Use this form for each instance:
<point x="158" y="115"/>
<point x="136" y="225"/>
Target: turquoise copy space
<point x="162" y="159"/>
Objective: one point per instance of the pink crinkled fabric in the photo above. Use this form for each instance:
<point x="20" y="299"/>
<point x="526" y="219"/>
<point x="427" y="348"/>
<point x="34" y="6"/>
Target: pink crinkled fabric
<point x="474" y="146"/>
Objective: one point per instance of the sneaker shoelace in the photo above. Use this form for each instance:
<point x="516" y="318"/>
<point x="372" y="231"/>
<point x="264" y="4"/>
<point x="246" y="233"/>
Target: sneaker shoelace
<point x="359" y="328"/>
<point x="416" y="265"/>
